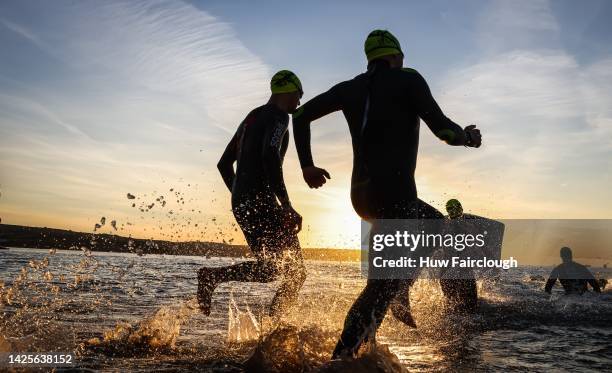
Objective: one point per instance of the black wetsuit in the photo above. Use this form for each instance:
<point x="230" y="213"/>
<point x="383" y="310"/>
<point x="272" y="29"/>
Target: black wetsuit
<point x="573" y="277"/>
<point x="259" y="146"/>
<point x="390" y="102"/>
<point x="461" y="293"/>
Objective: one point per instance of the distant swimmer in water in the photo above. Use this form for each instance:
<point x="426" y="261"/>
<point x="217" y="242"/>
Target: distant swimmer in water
<point x="573" y="276"/>
<point x="260" y="202"/>
<point x="383" y="107"/>
<point x="461" y="293"/>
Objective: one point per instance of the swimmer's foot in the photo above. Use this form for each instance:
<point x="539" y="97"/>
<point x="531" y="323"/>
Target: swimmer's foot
<point x="207" y="282"/>
<point x="403" y="314"/>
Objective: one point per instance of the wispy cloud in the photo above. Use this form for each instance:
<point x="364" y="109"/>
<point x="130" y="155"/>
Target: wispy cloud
<point x="23" y="32"/>
<point x="542" y="115"/>
<point x="128" y="94"/>
<point x="171" y="48"/>
<point x="37" y="113"/>
<point x="523" y="24"/>
<point x="134" y="92"/>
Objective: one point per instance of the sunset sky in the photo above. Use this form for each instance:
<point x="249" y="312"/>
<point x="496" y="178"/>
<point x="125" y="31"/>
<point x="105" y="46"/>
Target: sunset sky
<point x="103" y="98"/>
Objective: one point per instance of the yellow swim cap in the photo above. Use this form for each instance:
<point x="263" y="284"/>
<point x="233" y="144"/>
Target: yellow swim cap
<point x="285" y="81"/>
<point x="381" y="43"/>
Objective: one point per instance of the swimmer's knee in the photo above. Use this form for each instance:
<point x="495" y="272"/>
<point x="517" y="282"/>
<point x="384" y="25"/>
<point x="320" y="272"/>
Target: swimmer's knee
<point x="269" y="270"/>
<point x="297" y="275"/>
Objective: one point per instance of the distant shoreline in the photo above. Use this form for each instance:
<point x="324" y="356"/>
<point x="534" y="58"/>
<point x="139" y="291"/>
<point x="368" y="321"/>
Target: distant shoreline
<point x="19" y="236"/>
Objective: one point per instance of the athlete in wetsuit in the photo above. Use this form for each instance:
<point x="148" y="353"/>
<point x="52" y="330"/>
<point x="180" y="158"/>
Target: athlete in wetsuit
<point x="461" y="293"/>
<point x="382" y="107"/>
<point x="573" y="276"/>
<point x="257" y="187"/>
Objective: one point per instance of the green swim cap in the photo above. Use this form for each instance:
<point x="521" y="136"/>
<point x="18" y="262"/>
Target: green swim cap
<point x="453" y="204"/>
<point x="285" y="81"/>
<point x="381" y="43"/>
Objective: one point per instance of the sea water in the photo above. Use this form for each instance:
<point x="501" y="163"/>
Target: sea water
<point x="127" y="312"/>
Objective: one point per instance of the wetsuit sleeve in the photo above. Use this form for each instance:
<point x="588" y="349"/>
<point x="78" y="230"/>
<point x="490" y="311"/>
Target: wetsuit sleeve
<point x="226" y="163"/>
<point x="428" y="110"/>
<point x="594" y="285"/>
<point x="284" y="146"/>
<point x="273" y="160"/>
<point x="318" y="107"/>
<point x="551" y="280"/>
<point x="591" y="280"/>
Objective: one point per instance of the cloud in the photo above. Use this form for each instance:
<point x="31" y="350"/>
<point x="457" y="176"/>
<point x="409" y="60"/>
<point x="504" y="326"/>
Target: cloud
<point x="171" y="48"/>
<point x="522" y="24"/>
<point x="32" y="110"/>
<point x="596" y="90"/>
<point x="131" y="91"/>
<point x="23" y="32"/>
<point x="544" y="118"/>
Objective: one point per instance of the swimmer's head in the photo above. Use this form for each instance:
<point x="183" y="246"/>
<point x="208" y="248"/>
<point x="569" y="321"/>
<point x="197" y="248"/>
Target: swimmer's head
<point x="381" y="44"/>
<point x="286" y="86"/>
<point x="566" y="254"/>
<point x="454" y="208"/>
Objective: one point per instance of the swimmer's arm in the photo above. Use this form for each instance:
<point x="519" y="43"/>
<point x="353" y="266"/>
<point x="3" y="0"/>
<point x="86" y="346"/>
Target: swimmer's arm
<point x="318" y="107"/>
<point x="592" y="281"/>
<point x="273" y="163"/>
<point x="226" y="163"/>
<point x="284" y="146"/>
<point x="551" y="281"/>
<point x="594" y="285"/>
<point x="428" y="110"/>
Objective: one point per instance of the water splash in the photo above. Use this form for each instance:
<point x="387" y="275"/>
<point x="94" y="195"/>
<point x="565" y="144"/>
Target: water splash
<point x="291" y="348"/>
<point x="493" y="338"/>
<point x="242" y="325"/>
<point x="375" y="358"/>
<point x="153" y="334"/>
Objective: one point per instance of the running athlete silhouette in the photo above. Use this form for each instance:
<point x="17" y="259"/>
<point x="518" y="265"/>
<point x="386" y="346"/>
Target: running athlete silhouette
<point x="382" y="108"/>
<point x="260" y="202"/>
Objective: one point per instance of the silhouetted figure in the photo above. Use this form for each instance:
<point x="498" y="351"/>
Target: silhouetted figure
<point x="461" y="293"/>
<point x="573" y="276"/>
<point x="383" y="108"/>
<point x="260" y="202"/>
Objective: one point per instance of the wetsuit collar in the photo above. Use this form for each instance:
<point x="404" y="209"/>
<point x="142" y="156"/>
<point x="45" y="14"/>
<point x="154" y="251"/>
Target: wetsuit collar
<point x="379" y="64"/>
<point x="274" y="107"/>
